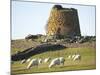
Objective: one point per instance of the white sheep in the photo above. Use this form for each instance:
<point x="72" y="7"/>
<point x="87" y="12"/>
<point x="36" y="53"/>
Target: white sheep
<point x="23" y="61"/>
<point x="39" y="61"/>
<point x="28" y="60"/>
<point x="46" y="60"/>
<point x="73" y="56"/>
<point x="57" y="61"/>
<point x="62" y="60"/>
<point x="34" y="62"/>
<point x="77" y="57"/>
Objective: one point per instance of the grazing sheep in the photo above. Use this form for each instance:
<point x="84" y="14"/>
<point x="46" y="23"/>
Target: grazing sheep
<point x="28" y="60"/>
<point x="46" y="60"/>
<point x="23" y="61"/>
<point x="57" y="61"/>
<point x="62" y="60"/>
<point x="34" y="62"/>
<point x="77" y="57"/>
<point x="73" y="56"/>
<point x="40" y="61"/>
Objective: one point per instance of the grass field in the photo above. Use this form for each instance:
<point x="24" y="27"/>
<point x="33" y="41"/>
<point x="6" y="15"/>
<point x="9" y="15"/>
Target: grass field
<point x="88" y="60"/>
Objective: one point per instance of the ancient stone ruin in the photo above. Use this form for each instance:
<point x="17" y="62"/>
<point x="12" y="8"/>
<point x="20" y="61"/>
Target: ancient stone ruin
<point x="63" y="21"/>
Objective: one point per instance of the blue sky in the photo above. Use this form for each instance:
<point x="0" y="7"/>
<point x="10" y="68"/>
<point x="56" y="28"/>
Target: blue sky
<point x="31" y="18"/>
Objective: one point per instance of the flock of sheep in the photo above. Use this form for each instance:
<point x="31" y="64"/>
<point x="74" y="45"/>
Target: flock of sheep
<point x="53" y="62"/>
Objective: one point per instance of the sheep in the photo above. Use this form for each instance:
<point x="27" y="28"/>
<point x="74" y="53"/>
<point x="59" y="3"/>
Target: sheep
<point x="46" y="60"/>
<point x="73" y="56"/>
<point x="62" y="60"/>
<point x="23" y="61"/>
<point x="40" y="61"/>
<point x="77" y="57"/>
<point x="34" y="62"/>
<point x="57" y="61"/>
<point x="28" y="60"/>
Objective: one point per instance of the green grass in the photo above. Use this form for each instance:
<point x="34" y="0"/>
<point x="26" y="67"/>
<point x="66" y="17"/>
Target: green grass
<point x="87" y="61"/>
<point x="54" y="69"/>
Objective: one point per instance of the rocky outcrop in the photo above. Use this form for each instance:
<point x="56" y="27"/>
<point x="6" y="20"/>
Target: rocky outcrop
<point x="25" y="54"/>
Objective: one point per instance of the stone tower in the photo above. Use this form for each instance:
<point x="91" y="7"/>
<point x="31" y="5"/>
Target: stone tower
<point x="63" y="21"/>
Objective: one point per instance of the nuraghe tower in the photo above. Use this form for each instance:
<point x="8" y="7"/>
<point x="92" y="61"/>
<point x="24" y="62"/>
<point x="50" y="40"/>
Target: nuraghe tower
<point x="63" y="21"/>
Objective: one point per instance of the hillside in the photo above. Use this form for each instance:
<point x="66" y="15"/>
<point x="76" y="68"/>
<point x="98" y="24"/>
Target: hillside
<point x="22" y="44"/>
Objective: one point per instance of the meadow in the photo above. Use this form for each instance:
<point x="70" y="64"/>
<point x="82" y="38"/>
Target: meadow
<point x="87" y="62"/>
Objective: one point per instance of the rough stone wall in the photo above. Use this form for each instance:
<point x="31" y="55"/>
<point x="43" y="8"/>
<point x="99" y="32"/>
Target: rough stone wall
<point x="63" y="21"/>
